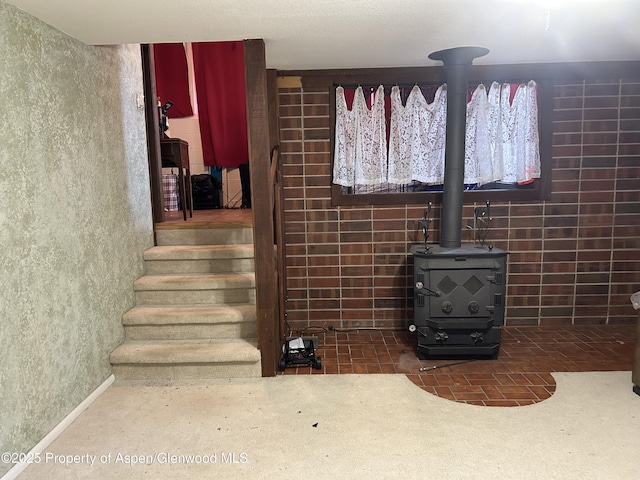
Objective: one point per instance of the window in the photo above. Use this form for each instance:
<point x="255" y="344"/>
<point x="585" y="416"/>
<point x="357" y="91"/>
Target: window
<point x="388" y="193"/>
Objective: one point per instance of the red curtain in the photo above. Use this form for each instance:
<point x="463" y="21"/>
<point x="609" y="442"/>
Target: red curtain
<point x="220" y="83"/>
<point x="172" y="78"/>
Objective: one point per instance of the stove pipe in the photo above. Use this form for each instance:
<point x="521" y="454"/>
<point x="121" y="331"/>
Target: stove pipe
<point x="456" y="62"/>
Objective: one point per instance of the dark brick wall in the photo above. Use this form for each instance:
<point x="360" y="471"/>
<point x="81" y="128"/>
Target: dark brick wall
<point x="574" y="259"/>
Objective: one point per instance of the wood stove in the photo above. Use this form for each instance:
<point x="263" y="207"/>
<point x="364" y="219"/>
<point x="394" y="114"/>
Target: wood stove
<point x="459" y="290"/>
<point x="458" y="300"/>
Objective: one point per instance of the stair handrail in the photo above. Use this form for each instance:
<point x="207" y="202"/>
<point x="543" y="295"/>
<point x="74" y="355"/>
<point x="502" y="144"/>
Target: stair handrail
<point x="277" y="204"/>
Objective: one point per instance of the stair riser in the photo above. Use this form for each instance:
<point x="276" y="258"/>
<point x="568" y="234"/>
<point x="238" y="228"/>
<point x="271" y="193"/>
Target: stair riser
<point x="166" y="374"/>
<point x="220" y="236"/>
<point x="197" y="297"/>
<point x="223" y="265"/>
<point x="188" y="282"/>
<point x="191" y="332"/>
<point x="193" y="315"/>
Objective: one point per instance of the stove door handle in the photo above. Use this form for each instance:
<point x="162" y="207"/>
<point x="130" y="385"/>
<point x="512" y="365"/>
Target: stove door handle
<point x="420" y="286"/>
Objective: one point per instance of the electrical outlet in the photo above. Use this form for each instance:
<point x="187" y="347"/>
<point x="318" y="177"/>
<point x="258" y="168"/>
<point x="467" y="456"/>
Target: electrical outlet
<point x="140" y="100"/>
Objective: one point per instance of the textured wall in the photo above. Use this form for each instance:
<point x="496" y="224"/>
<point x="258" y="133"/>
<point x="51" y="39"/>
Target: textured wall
<point x="575" y="259"/>
<point x="75" y="217"/>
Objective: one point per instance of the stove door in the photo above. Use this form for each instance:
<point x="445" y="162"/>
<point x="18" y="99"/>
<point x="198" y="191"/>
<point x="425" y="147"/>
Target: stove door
<point x="461" y="293"/>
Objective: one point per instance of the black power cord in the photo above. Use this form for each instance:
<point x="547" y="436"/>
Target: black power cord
<point x="331" y="328"/>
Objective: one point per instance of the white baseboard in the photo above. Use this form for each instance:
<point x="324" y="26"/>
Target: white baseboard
<point x="58" y="429"/>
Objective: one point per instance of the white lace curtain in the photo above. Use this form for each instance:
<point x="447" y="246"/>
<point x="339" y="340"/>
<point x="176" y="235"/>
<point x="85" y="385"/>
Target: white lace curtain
<point x="502" y="142"/>
<point x="361" y="140"/>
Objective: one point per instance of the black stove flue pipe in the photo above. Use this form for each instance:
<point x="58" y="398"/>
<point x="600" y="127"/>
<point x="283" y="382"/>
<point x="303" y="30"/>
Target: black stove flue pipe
<point x="456" y="62"/>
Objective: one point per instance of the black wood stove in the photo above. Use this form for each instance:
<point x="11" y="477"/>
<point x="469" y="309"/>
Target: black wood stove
<point x="458" y="300"/>
<point x="459" y="290"/>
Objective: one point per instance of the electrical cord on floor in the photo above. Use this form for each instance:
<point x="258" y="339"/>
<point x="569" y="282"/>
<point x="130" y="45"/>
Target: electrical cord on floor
<point x="301" y="332"/>
<point x="358" y="329"/>
<point x="331" y="328"/>
<point x="311" y="329"/>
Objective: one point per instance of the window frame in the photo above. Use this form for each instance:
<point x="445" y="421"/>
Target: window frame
<point x="541" y="189"/>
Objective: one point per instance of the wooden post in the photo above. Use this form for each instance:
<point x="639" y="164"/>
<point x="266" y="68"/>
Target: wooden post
<point x="261" y="192"/>
<point x="153" y="133"/>
<point x="272" y="92"/>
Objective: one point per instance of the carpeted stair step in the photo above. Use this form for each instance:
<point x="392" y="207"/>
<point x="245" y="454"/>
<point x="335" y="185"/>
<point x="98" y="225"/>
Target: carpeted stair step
<point x="176" y="259"/>
<point x="179" y="361"/>
<point x="230" y="235"/>
<point x="190" y="322"/>
<point x="213" y="289"/>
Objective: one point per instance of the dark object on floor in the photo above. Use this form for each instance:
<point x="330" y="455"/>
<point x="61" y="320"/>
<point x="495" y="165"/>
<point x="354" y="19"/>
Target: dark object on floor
<point x="205" y="191"/>
<point x="299" y="351"/>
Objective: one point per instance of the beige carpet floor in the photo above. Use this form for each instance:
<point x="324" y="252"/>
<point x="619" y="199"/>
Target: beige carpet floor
<point x="348" y="426"/>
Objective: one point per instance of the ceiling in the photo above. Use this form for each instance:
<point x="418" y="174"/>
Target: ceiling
<point x="319" y="34"/>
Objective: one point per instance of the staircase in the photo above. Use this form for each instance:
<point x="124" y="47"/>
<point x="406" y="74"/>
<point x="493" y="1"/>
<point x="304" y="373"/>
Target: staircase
<point x="195" y="316"/>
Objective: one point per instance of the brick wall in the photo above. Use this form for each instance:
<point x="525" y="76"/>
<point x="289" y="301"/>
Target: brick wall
<point x="574" y="259"/>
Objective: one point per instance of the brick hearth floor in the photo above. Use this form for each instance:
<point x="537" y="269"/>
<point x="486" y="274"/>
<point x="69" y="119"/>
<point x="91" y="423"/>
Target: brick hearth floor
<point x="521" y="375"/>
